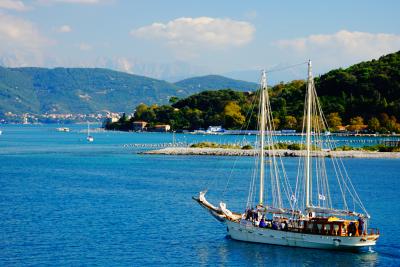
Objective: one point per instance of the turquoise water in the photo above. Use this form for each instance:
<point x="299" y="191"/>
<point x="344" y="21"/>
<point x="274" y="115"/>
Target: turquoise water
<point x="67" y="202"/>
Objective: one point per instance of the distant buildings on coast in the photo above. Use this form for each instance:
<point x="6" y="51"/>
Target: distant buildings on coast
<point x="28" y="118"/>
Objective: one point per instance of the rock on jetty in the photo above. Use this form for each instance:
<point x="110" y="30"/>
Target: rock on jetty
<point x="281" y="152"/>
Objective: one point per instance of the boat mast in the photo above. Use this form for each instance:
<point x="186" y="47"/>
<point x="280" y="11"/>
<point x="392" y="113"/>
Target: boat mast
<point x="308" y="134"/>
<point x="262" y="133"/>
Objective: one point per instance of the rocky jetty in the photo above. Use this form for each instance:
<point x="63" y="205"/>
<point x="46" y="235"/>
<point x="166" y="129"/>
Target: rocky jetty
<point x="282" y="152"/>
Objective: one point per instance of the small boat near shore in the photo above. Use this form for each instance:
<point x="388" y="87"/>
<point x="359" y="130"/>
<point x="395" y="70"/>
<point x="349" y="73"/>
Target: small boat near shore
<point x="89" y="138"/>
<point x="322" y="210"/>
<point x="63" y="129"/>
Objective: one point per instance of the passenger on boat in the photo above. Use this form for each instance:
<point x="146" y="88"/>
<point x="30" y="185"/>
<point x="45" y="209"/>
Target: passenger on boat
<point x="360" y="226"/>
<point x="351" y="229"/>
<point x="285" y="226"/>
<point x="248" y="214"/>
<point x="275" y="225"/>
<point x="262" y="223"/>
<point x="255" y="215"/>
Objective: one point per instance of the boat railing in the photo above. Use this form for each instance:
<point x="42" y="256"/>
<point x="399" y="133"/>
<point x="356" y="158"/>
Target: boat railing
<point x="373" y="231"/>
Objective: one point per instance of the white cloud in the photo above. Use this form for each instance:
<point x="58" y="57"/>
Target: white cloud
<point x="84" y="47"/>
<point x="13" y="5"/>
<point x="85" y="2"/>
<point x="188" y="35"/>
<point x="64" y="29"/>
<point x="343" y="47"/>
<point x="21" y="43"/>
<point x="79" y="1"/>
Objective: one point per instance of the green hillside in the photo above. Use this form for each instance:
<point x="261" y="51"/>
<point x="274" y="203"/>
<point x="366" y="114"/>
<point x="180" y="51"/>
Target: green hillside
<point x="364" y="95"/>
<point x="215" y="82"/>
<point x="78" y="90"/>
<point x="363" y="89"/>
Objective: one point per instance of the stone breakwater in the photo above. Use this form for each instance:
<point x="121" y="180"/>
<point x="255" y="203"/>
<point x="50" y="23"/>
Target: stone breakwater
<point x="281" y="152"/>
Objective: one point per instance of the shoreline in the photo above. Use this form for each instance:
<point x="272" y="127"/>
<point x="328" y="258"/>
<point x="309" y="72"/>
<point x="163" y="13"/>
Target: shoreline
<point x="174" y="151"/>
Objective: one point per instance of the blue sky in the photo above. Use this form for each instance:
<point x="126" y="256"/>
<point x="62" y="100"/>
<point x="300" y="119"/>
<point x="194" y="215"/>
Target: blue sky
<point x="172" y="39"/>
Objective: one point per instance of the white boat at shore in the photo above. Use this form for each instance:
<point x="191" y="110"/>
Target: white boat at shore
<point x="89" y="138"/>
<point x="305" y="215"/>
<point x="63" y="129"/>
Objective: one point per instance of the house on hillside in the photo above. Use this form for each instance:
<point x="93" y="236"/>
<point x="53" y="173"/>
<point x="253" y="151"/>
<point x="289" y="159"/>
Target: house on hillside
<point x="139" y="125"/>
<point x="162" y="128"/>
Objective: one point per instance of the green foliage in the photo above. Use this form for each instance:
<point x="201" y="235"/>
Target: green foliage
<point x="214" y="145"/>
<point x="374" y="124"/>
<point x="345" y="148"/>
<point x="290" y="122"/>
<point x="356" y="124"/>
<point x="365" y="89"/>
<point x="233" y="116"/>
<point x="207" y="108"/>
<point x="382" y="148"/>
<point x="247" y="147"/>
<point x="294" y="146"/>
<point x="334" y="120"/>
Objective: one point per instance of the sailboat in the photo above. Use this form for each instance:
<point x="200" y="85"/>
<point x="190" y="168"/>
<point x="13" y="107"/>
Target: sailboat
<point x="307" y="215"/>
<point x="89" y="138"/>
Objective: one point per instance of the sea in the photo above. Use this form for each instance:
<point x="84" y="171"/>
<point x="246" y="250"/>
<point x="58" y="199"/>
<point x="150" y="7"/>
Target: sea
<point x="67" y="202"/>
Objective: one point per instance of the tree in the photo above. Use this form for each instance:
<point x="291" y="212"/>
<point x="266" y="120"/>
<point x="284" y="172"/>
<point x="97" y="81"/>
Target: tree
<point x="276" y="123"/>
<point x="390" y="123"/>
<point x="290" y="122"/>
<point x="232" y="115"/>
<point x="140" y="109"/>
<point x="124" y="118"/>
<point x="356" y="124"/>
<point x="334" y="120"/>
<point x="173" y="100"/>
<point x="374" y="125"/>
<point x="195" y="118"/>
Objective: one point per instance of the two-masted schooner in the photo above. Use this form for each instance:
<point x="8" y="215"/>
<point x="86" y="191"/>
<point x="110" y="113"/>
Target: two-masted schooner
<point x="305" y="214"/>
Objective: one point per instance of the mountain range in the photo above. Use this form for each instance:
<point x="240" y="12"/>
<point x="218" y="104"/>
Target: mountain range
<point x="92" y="90"/>
<point x="366" y="89"/>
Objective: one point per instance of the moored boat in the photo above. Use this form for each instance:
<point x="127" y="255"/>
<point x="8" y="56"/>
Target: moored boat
<point x="308" y="215"/>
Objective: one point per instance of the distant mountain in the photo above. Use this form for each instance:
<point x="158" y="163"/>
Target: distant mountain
<point x="213" y="82"/>
<point x="89" y="90"/>
<point x="78" y="90"/>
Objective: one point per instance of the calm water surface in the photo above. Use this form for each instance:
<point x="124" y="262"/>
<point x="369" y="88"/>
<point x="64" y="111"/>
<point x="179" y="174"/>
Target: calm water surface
<point x="66" y="202"/>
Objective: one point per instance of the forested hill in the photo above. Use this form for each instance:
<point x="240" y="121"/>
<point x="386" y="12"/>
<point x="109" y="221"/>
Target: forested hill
<point x="364" y="89"/>
<point x="78" y="90"/>
<point x="215" y="82"/>
<point x="365" y="94"/>
<point x="90" y="90"/>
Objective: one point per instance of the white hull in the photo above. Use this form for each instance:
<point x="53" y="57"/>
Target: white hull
<point x="250" y="233"/>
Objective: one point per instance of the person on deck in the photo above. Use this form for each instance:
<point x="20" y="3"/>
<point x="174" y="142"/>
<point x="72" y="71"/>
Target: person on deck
<point x="248" y="214"/>
<point x="262" y="223"/>
<point x="360" y="226"/>
<point x="255" y="215"/>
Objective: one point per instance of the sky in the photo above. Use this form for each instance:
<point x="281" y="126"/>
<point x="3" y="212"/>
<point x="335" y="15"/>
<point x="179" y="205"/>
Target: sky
<point x="178" y="39"/>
